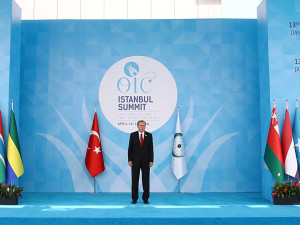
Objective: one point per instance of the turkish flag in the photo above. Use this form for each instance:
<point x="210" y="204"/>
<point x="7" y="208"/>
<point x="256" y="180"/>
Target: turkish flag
<point x="94" y="157"/>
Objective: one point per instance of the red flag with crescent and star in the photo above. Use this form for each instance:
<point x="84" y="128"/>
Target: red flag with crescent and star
<point x="94" y="157"/>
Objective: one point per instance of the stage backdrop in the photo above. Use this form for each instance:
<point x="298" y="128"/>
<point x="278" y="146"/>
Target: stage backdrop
<point x="279" y="35"/>
<point x="209" y="68"/>
<point x="10" y="53"/>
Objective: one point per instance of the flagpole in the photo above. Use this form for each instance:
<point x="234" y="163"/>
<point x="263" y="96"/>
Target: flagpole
<point x="286" y="107"/>
<point x="12" y="108"/>
<point x="179" y="178"/>
<point x="297" y="107"/>
<point x="95" y="191"/>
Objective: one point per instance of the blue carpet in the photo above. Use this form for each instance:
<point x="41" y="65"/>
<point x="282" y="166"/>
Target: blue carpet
<point x="164" y="208"/>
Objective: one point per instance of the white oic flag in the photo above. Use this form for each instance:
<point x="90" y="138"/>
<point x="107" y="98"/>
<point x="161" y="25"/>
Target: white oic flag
<point x="179" y="166"/>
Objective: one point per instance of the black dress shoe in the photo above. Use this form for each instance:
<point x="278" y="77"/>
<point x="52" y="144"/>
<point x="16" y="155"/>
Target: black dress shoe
<point x="133" y="202"/>
<point x="146" y="202"/>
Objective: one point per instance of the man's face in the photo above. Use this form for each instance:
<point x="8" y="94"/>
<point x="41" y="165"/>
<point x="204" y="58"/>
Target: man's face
<point x="141" y="126"/>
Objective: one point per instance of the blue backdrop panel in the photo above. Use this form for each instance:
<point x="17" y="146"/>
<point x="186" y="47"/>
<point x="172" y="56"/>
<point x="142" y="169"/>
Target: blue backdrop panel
<point x="279" y="70"/>
<point x="5" y="35"/>
<point x="15" y="55"/>
<point x="214" y="64"/>
<point x="265" y="104"/>
<point x="10" y="53"/>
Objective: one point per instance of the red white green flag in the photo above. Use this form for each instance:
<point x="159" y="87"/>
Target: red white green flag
<point x="2" y="157"/>
<point x="288" y="148"/>
<point x="273" y="153"/>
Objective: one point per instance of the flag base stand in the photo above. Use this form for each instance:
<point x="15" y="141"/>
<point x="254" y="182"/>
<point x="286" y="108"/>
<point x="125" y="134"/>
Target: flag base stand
<point x="179" y="192"/>
<point x="95" y="191"/>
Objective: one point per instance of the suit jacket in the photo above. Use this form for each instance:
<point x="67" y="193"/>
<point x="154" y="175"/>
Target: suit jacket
<point x="137" y="154"/>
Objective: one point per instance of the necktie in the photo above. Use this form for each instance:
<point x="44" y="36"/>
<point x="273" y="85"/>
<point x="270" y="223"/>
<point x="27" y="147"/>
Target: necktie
<point x="141" y="140"/>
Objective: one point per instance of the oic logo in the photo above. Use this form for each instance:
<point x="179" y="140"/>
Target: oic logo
<point x="178" y="147"/>
<point x="131" y="69"/>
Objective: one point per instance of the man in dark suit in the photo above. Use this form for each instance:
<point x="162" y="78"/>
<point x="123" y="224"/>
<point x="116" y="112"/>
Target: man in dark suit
<point x="140" y="157"/>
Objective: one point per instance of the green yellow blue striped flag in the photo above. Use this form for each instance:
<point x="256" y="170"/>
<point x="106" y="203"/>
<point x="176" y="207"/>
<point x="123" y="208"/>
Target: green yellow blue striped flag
<point x="14" y="166"/>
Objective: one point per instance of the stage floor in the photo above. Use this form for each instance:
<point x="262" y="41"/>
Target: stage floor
<point x="164" y="208"/>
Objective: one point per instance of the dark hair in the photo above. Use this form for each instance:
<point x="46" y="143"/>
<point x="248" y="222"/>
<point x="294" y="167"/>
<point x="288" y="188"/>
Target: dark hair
<point x="141" y="121"/>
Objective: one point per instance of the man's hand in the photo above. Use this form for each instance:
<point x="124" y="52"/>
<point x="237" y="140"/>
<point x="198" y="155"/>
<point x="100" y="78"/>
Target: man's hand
<point x="150" y="164"/>
<point x="130" y="163"/>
